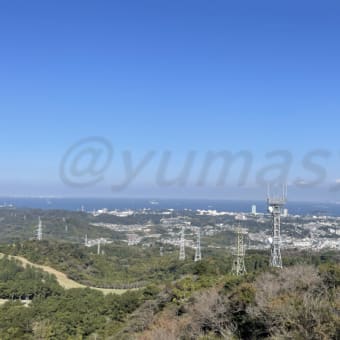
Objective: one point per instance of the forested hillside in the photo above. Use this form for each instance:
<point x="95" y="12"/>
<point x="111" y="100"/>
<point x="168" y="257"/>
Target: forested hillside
<point x="190" y="301"/>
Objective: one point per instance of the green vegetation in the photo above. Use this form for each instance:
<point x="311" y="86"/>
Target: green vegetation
<point x="121" y="267"/>
<point x="20" y="224"/>
<point x="19" y="283"/>
<point x="55" y="313"/>
<point x="174" y="300"/>
<point x="299" y="302"/>
<point x="125" y="267"/>
<point x="180" y="299"/>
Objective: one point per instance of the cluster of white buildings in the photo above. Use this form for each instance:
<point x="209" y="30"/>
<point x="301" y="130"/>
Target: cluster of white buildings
<point x="118" y="213"/>
<point x="311" y="232"/>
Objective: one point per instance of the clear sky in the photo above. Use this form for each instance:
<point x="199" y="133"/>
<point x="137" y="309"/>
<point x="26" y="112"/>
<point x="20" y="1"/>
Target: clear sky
<point x="167" y="75"/>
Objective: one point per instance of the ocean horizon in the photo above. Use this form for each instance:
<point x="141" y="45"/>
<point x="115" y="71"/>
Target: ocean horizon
<point x="90" y="204"/>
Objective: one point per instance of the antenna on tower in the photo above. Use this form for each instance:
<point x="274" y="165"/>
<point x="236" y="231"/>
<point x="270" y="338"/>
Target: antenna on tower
<point x="275" y="203"/>
<point x="39" y="230"/>
<point x="239" y="267"/>
<point x="182" y="245"/>
<point x="198" y="254"/>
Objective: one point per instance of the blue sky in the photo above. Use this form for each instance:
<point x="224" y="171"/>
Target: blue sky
<point x="167" y="75"/>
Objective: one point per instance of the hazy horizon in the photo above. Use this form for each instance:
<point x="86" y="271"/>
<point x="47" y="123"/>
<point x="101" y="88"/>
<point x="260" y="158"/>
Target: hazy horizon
<point x="170" y="99"/>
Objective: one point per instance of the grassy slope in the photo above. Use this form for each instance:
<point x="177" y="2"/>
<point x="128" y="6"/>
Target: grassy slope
<point x="62" y="279"/>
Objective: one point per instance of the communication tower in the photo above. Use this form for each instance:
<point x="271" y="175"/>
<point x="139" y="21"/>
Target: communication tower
<point x="275" y="205"/>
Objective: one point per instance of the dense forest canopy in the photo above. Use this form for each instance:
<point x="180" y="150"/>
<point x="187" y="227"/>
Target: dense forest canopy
<point x="182" y="300"/>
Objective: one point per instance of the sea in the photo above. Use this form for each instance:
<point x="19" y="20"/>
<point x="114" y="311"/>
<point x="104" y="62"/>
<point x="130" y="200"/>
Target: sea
<point x="90" y="204"/>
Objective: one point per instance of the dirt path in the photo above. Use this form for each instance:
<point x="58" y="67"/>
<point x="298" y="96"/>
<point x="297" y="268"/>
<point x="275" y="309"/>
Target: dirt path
<point x="62" y="279"/>
<point x="2" y="301"/>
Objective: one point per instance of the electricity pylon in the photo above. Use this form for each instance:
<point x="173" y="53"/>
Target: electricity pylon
<point x="39" y="230"/>
<point x="182" y="245"/>
<point x="198" y="254"/>
<point x="275" y="204"/>
<point x="239" y="267"/>
<point x="98" y="247"/>
<point x="66" y="226"/>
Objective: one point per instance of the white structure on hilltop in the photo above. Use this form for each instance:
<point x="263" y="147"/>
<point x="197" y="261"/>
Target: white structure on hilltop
<point x="253" y="209"/>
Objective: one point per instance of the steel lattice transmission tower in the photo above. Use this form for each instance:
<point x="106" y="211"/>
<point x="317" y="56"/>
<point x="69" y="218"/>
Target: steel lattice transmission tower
<point x="39" y="230"/>
<point x="182" y="245"/>
<point x="239" y="267"/>
<point x="66" y="226"/>
<point x="198" y="254"/>
<point x="275" y="204"/>
<point x="98" y="247"/>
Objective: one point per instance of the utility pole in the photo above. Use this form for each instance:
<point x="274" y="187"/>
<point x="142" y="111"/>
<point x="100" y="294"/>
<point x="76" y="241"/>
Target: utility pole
<point x="86" y="240"/>
<point x="198" y="254"/>
<point x="239" y="267"/>
<point x="275" y="204"/>
<point x="182" y="245"/>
